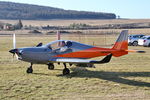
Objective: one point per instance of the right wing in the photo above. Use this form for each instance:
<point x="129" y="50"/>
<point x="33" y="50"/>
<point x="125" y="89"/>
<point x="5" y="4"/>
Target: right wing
<point x="77" y="60"/>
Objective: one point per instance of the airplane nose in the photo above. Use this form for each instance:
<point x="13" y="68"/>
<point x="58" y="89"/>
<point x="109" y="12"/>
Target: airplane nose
<point x="13" y="51"/>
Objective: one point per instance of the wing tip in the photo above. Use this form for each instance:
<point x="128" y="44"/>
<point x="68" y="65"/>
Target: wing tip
<point x="104" y="60"/>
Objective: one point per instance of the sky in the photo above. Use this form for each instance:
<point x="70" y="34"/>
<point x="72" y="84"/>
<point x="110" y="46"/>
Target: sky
<point x="138" y="9"/>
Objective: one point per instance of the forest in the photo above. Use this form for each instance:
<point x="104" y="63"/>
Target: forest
<point x="10" y="10"/>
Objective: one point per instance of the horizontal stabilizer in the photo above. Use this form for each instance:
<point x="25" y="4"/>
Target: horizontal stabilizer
<point x="140" y="51"/>
<point x="137" y="51"/>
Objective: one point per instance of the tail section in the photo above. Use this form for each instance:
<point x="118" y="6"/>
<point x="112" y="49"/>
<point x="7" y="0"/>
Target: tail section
<point x="122" y="41"/>
<point x="121" y="45"/>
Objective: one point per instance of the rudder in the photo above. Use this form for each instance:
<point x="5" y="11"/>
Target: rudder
<point x="121" y="45"/>
<point x="122" y="41"/>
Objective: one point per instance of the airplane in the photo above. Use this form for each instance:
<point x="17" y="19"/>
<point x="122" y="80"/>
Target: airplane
<point x="67" y="51"/>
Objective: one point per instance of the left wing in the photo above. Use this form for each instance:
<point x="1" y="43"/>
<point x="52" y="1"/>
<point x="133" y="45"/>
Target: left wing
<point x="77" y="60"/>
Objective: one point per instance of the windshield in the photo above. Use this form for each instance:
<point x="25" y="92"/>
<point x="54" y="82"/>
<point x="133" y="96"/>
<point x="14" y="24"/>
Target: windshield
<point x="56" y="45"/>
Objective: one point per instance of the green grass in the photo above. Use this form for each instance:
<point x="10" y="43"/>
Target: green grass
<point x="124" y="78"/>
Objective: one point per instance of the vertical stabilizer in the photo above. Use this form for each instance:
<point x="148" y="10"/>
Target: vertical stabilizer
<point x="121" y="45"/>
<point x="122" y="41"/>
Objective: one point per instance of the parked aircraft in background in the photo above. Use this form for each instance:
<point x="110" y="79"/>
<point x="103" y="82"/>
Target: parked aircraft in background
<point x="67" y="51"/>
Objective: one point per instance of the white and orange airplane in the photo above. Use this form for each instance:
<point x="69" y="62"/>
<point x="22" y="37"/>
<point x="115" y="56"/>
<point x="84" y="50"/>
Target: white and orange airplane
<point x="67" y="51"/>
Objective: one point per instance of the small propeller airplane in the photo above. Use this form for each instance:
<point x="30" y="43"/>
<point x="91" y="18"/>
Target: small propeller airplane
<point x="67" y="51"/>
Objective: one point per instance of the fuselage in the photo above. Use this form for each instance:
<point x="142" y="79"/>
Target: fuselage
<point x="42" y="54"/>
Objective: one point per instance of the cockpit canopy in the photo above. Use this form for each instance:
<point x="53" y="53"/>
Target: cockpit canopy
<point x="67" y="45"/>
<point x="58" y="44"/>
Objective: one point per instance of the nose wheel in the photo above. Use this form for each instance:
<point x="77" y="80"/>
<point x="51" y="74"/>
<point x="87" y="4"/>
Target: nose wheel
<point x="66" y="71"/>
<point x="29" y="70"/>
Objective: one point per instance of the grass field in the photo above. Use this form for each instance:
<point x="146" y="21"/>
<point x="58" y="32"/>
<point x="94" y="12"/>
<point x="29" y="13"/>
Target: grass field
<point x="124" y="78"/>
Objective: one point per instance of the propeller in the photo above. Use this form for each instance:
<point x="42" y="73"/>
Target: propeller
<point x="14" y="50"/>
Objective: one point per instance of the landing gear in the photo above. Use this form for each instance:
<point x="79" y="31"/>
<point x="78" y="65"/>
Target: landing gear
<point x="50" y="66"/>
<point x="30" y="70"/>
<point x="66" y="71"/>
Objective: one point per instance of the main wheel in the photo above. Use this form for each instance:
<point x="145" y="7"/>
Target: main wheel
<point x="29" y="70"/>
<point x="135" y="43"/>
<point x="50" y="66"/>
<point x="66" y="71"/>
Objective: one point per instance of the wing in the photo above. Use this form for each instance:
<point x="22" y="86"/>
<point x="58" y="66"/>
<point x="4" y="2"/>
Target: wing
<point x="76" y="60"/>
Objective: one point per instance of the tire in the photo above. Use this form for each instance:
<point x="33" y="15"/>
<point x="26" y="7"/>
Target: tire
<point x="51" y="67"/>
<point x="66" y="71"/>
<point x="135" y="43"/>
<point x="29" y="70"/>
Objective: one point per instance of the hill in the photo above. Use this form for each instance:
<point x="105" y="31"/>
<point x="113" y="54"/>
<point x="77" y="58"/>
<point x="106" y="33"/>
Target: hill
<point x="10" y="10"/>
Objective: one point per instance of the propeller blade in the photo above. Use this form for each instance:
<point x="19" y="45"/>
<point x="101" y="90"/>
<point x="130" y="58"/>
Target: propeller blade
<point x="14" y="41"/>
<point x="14" y="50"/>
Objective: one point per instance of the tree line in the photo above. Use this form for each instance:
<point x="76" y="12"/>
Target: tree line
<point x="9" y="10"/>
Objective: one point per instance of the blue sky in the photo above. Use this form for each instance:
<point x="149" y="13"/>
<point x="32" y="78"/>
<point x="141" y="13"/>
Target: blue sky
<point x="124" y="8"/>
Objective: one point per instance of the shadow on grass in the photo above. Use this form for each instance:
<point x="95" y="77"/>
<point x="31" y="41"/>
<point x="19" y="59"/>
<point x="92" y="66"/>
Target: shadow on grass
<point x="109" y="76"/>
<point x="112" y="76"/>
<point x="45" y="74"/>
<point x="41" y="74"/>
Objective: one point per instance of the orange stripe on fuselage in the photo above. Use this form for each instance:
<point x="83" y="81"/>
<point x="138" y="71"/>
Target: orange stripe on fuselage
<point x="88" y="53"/>
<point x="92" y="52"/>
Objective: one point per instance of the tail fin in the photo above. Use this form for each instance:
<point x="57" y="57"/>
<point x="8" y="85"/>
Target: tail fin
<point x="122" y="41"/>
<point x="121" y="44"/>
